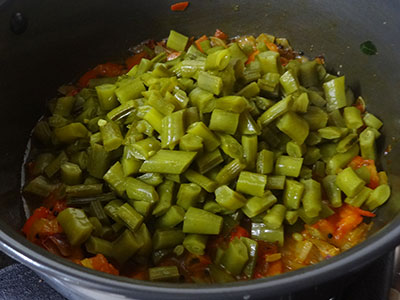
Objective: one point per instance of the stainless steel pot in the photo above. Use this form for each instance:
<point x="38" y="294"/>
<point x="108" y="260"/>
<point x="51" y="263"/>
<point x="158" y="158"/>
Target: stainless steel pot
<point x="63" y="38"/>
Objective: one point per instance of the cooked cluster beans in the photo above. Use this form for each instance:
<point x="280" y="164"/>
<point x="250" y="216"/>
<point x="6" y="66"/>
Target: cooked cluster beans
<point x="159" y="160"/>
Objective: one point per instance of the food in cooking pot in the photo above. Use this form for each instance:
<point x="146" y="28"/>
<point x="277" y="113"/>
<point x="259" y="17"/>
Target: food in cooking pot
<point x="207" y="161"/>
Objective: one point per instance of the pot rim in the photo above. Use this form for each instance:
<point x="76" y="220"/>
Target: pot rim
<point x="353" y="259"/>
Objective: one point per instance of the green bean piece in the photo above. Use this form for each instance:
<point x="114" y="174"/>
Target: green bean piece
<point x="316" y="118"/>
<point x="252" y="252"/>
<point x="111" y="209"/>
<point x="142" y="207"/>
<point x="364" y="173"/>
<point x="154" y="117"/>
<point x="168" y="161"/>
<point x="247" y="125"/>
<point x="289" y="82"/>
<point x="228" y="198"/>
<point x="332" y="132"/>
<point x="84" y="190"/>
<point x="70" y="133"/>
<point x="104" y="197"/>
<point x="378" y="196"/>
<point x="335" y="93"/>
<point x="224" y="121"/>
<point x="218" y="275"/>
<point x="172" y="129"/>
<point x="156" y="100"/>
<point x="269" y="61"/>
<point x="201" y="222"/>
<point x="383" y="178"/>
<point x="153" y="179"/>
<point x="115" y="177"/>
<point x="171" y="218"/>
<point x="40" y="186"/>
<point x="352" y="117"/>
<point x="213" y="207"/>
<point x="201" y="180"/>
<point x="98" y="161"/>
<point x="195" y="243"/>
<point x="301" y="103"/>
<point x="41" y="162"/>
<point x="218" y="60"/>
<point x="71" y="174"/>
<point x="138" y="190"/>
<point x="167" y="238"/>
<point x="295" y="150"/>
<point x="372" y="121"/>
<point x="276" y="182"/>
<point x="265" y="162"/>
<point x="64" y="106"/>
<point x="312" y="155"/>
<point x="259" y="231"/>
<point x="275" y="216"/>
<point x="347" y="142"/>
<point x="210" y="141"/>
<point x="75" y="224"/>
<point x="125" y="246"/>
<point x="278" y="109"/>
<point x="202" y="99"/>
<point x="131" y="218"/>
<point x="251" y="183"/>
<point x="166" y="193"/>
<point x="122" y="111"/>
<point x="130" y="164"/>
<point x="250" y="146"/>
<point x="210" y="83"/>
<point x="230" y="171"/>
<point x="348" y="182"/>
<point x="209" y="160"/>
<point x="191" y="142"/>
<point x="191" y="116"/>
<point x="97" y="210"/>
<point x="80" y="158"/>
<point x="231" y="146"/>
<point x="332" y="191"/>
<point x="311" y="197"/>
<point x="250" y="90"/>
<point x="335" y="118"/>
<point x="97" y="227"/>
<point x="164" y="274"/>
<point x="97" y="245"/>
<point x="142" y="234"/>
<point x="293" y="126"/>
<point x="257" y="205"/>
<point x="359" y="198"/>
<point x="54" y="166"/>
<point x="288" y="166"/>
<point x="367" y="144"/>
<point x="293" y="193"/>
<point x="177" y="41"/>
<point x="129" y="89"/>
<point x="106" y="96"/>
<point x="144" y="149"/>
<point x="235" y="104"/>
<point x="340" y="160"/>
<point x="188" y="195"/>
<point x="42" y="132"/>
<point x="291" y="216"/>
<point x="235" y="257"/>
<point x="309" y="74"/>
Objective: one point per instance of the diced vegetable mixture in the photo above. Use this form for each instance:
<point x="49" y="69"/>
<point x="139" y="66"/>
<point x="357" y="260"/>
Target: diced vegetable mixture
<point x="206" y="161"/>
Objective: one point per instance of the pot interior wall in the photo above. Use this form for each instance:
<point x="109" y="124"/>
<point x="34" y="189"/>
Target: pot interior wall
<point x="65" y="38"/>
